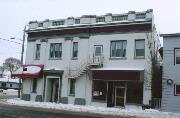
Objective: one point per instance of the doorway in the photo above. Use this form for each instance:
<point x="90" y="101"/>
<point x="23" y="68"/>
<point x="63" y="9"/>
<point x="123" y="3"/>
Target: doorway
<point x="98" y="51"/>
<point x="52" y="90"/>
<point x="120" y="96"/>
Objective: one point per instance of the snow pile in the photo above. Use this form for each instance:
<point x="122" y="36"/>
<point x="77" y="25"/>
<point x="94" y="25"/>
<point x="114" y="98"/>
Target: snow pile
<point x="99" y="110"/>
<point x="10" y="92"/>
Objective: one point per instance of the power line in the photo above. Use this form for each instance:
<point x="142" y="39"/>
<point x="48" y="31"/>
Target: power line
<point x="10" y="41"/>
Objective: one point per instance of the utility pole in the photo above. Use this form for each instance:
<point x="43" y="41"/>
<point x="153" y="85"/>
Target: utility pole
<point x="22" y="59"/>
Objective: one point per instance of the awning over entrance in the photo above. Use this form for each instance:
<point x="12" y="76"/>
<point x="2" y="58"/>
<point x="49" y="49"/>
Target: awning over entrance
<point x="29" y="71"/>
<point x="119" y="75"/>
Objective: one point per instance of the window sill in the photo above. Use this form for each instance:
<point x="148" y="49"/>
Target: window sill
<point x="34" y="92"/>
<point x="139" y="57"/>
<point x="74" y="58"/>
<point x="55" y="59"/>
<point x="72" y="95"/>
<point x="117" y="58"/>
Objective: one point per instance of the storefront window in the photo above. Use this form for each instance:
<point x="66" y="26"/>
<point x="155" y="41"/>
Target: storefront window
<point x="134" y="93"/>
<point x="99" y="90"/>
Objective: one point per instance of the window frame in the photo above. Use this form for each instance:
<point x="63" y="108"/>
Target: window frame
<point x="175" y="93"/>
<point x="34" y="85"/>
<point x="175" y="55"/>
<point x="75" y="51"/>
<point x="116" y="49"/>
<point x="135" y="56"/>
<point x="101" y="91"/>
<point x="54" y="55"/>
<point x="38" y="58"/>
<point x="72" y="88"/>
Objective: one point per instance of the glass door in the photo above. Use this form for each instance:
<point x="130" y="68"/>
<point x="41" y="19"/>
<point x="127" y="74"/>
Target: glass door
<point x="98" y="50"/>
<point x="120" y="96"/>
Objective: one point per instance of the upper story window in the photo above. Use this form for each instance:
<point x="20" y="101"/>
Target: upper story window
<point x="38" y="49"/>
<point x="118" y="48"/>
<point x="100" y="19"/>
<point x="56" y="23"/>
<point x="75" y="50"/>
<point x="119" y="18"/>
<point x="177" y="55"/>
<point x="140" y="48"/>
<point x="55" y="50"/>
<point x="77" y="21"/>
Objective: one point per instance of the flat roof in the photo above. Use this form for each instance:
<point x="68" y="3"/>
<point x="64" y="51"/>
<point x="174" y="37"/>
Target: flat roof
<point x="170" y="35"/>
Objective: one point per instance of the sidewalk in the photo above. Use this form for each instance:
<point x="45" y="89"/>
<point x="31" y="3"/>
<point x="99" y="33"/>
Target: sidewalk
<point x="91" y="110"/>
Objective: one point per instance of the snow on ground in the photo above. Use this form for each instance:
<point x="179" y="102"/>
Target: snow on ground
<point x="10" y="92"/>
<point x="150" y="113"/>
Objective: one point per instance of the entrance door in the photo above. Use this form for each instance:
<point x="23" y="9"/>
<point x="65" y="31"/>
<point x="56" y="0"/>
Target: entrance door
<point x="120" y="96"/>
<point x="98" y="51"/>
<point x="54" y="89"/>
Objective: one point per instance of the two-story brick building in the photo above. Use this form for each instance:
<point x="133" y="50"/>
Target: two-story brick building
<point x="92" y="60"/>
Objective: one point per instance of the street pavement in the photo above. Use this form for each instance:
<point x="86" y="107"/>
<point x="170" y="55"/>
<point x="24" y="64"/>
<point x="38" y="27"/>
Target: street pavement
<point x="11" y="111"/>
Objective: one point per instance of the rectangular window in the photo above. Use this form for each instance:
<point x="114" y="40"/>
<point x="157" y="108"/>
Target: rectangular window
<point x="139" y="48"/>
<point x="118" y="48"/>
<point x="34" y="85"/>
<point x="38" y="48"/>
<point x="10" y="85"/>
<point x="177" y="90"/>
<point x="177" y="56"/>
<point x="72" y="86"/>
<point x="55" y="50"/>
<point x="99" y="90"/>
<point x="75" y="50"/>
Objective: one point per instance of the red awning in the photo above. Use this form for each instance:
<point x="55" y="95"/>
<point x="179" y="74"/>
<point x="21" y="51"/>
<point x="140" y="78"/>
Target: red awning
<point x="29" y="71"/>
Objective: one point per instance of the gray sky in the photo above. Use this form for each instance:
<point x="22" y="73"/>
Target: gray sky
<point x="15" y="14"/>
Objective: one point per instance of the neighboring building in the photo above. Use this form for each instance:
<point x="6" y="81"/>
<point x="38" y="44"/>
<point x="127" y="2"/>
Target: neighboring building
<point x="8" y="83"/>
<point x="171" y="75"/>
<point x="93" y="60"/>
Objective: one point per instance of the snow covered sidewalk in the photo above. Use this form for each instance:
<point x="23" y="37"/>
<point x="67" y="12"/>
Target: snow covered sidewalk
<point x="97" y="110"/>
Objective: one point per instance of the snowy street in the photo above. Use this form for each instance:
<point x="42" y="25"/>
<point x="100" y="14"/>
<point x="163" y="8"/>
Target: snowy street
<point x="9" y="111"/>
<point x="91" y="110"/>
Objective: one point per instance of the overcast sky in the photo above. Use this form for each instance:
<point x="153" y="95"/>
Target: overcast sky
<point x="15" y="14"/>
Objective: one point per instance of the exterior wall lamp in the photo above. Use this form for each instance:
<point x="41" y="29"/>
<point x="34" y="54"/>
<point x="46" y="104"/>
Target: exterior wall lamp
<point x="169" y="81"/>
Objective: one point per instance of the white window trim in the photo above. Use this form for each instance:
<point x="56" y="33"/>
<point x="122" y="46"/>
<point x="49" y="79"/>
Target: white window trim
<point x="139" y="57"/>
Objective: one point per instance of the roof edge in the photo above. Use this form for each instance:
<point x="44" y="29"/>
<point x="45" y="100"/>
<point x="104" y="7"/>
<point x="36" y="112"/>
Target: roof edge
<point x="170" y="35"/>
